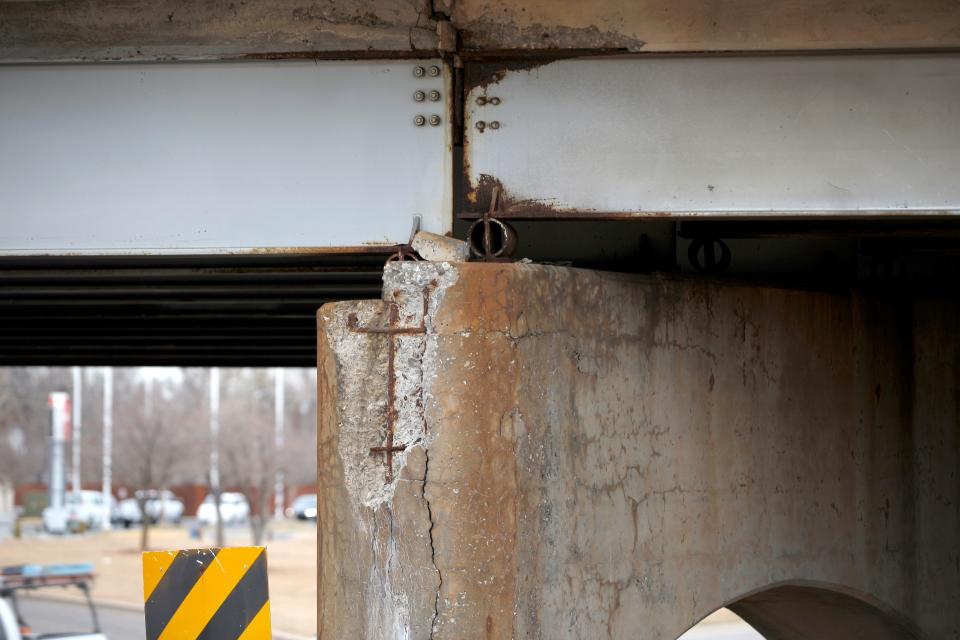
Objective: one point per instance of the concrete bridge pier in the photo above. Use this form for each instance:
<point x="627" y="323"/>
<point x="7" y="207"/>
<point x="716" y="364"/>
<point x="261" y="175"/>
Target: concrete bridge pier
<point x="523" y="451"/>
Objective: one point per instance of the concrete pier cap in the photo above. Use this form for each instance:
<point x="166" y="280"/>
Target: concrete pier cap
<point x="580" y="454"/>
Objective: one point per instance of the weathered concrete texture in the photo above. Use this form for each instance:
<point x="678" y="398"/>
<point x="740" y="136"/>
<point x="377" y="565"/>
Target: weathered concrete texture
<point x="377" y="579"/>
<point x="62" y="30"/>
<point x="603" y="455"/>
<point x="711" y="25"/>
<point x="145" y="30"/>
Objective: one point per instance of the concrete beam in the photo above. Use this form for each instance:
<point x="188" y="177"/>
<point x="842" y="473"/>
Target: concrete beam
<point x="601" y="455"/>
<point x="96" y="30"/>
<point x="711" y="25"/>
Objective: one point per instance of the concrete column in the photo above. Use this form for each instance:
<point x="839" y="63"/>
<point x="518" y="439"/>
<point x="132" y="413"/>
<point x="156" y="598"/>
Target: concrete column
<point x="593" y="455"/>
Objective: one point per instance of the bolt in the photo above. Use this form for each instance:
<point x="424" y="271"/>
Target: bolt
<point x="494" y="101"/>
<point x="434" y="120"/>
<point x="434" y="96"/>
<point x="482" y="100"/>
<point x="419" y="96"/>
<point x="419" y="121"/>
<point x="495" y="124"/>
<point x="418" y="72"/>
<point x="434" y="71"/>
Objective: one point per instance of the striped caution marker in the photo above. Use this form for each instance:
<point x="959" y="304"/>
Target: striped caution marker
<point x="213" y="594"/>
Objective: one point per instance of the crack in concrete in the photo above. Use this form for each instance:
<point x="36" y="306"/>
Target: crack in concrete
<point x="433" y="550"/>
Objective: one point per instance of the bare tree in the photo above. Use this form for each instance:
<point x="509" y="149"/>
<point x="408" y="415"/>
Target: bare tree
<point x="247" y="442"/>
<point x="161" y="434"/>
<point x="153" y="437"/>
<point x="299" y="455"/>
<point x="25" y="421"/>
<point x="13" y="427"/>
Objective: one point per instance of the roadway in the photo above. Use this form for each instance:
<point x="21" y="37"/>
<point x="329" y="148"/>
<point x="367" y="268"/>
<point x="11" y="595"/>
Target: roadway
<point x="55" y="616"/>
<point x="58" y="616"/>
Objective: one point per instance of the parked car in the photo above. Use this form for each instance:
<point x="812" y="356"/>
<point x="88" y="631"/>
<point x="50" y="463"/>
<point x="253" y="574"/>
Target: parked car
<point x="305" y="507"/>
<point x="233" y="509"/>
<point x="127" y="513"/>
<point x="81" y="511"/>
<point x="160" y="506"/>
<point x="14" y="580"/>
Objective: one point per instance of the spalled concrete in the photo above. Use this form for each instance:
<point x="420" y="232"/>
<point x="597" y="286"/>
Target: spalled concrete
<point x="596" y="455"/>
<point x="383" y="583"/>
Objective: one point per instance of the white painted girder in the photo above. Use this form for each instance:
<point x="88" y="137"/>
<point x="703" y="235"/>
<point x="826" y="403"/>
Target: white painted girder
<point x="840" y="135"/>
<point x="219" y="157"/>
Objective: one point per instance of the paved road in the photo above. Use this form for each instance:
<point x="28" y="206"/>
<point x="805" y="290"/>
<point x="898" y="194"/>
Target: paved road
<point x="49" y="616"/>
<point x="118" y="624"/>
<point x="722" y="631"/>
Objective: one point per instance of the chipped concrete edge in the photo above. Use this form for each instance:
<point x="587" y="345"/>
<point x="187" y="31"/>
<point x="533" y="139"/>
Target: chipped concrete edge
<point x="409" y="285"/>
<point x="417" y="289"/>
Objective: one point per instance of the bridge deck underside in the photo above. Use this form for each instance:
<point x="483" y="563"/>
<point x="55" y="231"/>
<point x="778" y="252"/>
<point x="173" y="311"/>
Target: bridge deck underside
<point x="185" y="311"/>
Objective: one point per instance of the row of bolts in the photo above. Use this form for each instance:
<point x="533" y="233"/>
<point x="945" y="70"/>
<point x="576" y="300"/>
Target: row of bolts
<point x="420" y="96"/>
<point x="434" y="95"/>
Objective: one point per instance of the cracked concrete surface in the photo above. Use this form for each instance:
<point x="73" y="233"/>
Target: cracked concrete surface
<point x="611" y="456"/>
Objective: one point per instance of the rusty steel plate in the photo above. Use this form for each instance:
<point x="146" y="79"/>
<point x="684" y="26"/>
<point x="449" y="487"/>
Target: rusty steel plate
<point x="771" y="136"/>
<point x="282" y="156"/>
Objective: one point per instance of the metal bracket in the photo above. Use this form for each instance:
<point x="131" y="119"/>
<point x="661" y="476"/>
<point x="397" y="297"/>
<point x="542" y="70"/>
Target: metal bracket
<point x="506" y="237"/>
<point x="709" y="247"/>
<point x="405" y="252"/>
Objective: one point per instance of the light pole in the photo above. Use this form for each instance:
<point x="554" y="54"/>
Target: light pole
<point x="77" y="480"/>
<point x="215" y="450"/>
<point x="278" y="415"/>
<point x="59" y="403"/>
<point x="107" y="445"/>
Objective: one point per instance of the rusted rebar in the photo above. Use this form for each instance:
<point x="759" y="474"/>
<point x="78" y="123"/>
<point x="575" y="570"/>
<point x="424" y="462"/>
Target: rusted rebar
<point x="392" y="330"/>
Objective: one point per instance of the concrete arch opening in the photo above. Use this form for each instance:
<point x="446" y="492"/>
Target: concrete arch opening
<point x="805" y="612"/>
<point x="722" y="624"/>
<point x="808" y="612"/>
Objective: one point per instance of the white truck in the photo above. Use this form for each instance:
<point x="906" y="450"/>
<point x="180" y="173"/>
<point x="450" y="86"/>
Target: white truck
<point x="81" y="511"/>
<point x="29" y="577"/>
<point x="160" y="506"/>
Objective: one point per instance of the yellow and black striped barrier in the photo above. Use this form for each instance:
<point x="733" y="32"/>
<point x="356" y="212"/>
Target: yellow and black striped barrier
<point x="213" y="594"/>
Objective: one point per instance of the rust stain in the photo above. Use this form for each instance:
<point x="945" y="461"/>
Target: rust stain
<point x="505" y="34"/>
<point x="479" y="196"/>
<point x="483" y="74"/>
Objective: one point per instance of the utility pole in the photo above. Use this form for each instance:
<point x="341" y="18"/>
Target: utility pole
<point x="59" y="403"/>
<point x="77" y="480"/>
<point x="215" y="449"/>
<point x="279" y="490"/>
<point x="107" y="445"/>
